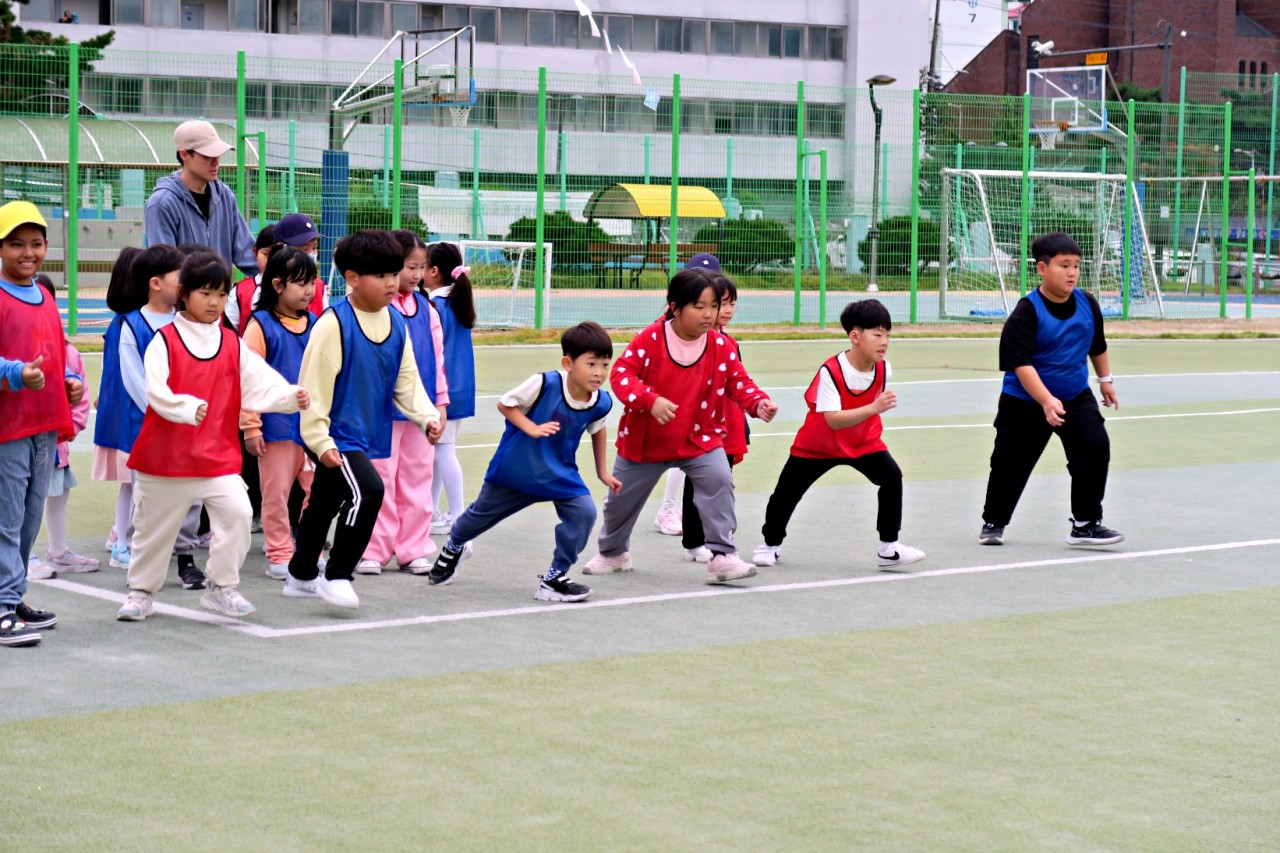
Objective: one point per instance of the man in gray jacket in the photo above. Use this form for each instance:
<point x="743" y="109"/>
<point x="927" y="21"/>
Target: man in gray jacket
<point x="193" y="206"/>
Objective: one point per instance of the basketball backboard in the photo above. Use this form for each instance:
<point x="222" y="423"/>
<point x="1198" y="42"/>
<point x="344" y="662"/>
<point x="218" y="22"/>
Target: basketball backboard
<point x="1076" y="96"/>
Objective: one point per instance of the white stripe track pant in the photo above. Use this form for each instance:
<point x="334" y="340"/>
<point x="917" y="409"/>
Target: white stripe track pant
<point x="159" y="506"/>
<point x="353" y="492"/>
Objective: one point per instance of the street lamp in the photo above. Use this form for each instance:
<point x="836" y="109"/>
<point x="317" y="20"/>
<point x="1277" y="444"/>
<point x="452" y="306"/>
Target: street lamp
<point x="874" y="231"/>
<point x="1251" y="154"/>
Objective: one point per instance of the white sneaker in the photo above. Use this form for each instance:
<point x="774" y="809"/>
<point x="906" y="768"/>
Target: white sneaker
<point x="417" y="566"/>
<point x="226" y="600"/>
<point x="670" y="521"/>
<point x="729" y="567"/>
<point x="442" y="524"/>
<point x="339" y="593"/>
<point x="701" y="554"/>
<point x="602" y="565"/>
<point x="39" y="570"/>
<point x="294" y="588"/>
<point x="278" y="571"/>
<point x="368" y="567"/>
<point x="900" y="556"/>
<point x="766" y="555"/>
<point x="137" y="606"/>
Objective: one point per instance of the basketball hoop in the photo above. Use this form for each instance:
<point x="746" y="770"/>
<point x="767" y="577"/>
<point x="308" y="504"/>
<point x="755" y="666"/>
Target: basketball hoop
<point x="460" y="114"/>
<point x="1050" y="133"/>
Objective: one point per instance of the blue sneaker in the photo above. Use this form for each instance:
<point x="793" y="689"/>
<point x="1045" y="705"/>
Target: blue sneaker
<point x="120" y="557"/>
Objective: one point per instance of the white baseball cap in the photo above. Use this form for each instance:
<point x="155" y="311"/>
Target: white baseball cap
<point x="201" y="137"/>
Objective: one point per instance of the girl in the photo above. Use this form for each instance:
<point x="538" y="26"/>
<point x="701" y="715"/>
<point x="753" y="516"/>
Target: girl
<point x="676" y="379"/>
<point x="403" y="529"/>
<point x="199" y="377"/>
<point x="278" y="331"/>
<point x="244" y="298"/>
<point x="450" y="291"/>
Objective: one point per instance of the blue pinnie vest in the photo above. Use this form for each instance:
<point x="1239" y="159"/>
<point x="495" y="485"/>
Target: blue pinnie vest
<point x="284" y="354"/>
<point x="364" y="393"/>
<point x="459" y="362"/>
<point x="547" y="468"/>
<point x="424" y="350"/>
<point x="119" y="419"/>
<point x="1062" y="350"/>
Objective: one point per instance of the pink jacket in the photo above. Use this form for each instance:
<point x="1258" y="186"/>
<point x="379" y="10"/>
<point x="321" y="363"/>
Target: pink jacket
<point x="79" y="412"/>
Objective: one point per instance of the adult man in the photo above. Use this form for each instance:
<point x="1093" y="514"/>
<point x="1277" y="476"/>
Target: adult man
<point x="193" y="206"/>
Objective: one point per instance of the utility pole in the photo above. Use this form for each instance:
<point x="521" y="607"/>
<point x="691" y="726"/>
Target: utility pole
<point x="932" y="85"/>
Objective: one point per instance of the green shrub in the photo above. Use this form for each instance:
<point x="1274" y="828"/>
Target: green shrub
<point x="743" y="245"/>
<point x="894" y="254"/>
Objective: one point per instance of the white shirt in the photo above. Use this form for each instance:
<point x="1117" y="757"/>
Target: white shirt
<point x="524" y="395"/>
<point x="854" y="379"/>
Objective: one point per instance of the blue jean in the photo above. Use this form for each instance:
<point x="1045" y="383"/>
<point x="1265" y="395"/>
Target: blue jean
<point x="494" y="503"/>
<point x="26" y="465"/>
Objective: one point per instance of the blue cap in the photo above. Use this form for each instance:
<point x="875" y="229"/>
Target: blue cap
<point x="704" y="261"/>
<point x="296" y="229"/>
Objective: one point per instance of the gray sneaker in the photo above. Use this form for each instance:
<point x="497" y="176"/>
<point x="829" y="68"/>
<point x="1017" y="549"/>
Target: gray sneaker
<point x="71" y="563"/>
<point x="226" y="600"/>
<point x="991" y="534"/>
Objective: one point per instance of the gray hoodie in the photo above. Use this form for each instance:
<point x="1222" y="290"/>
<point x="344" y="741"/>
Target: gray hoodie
<point x="171" y="216"/>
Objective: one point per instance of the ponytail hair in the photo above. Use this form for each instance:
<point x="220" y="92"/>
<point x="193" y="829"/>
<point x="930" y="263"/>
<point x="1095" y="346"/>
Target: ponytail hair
<point x="448" y="259"/>
<point x="123" y="294"/>
<point x="686" y="287"/>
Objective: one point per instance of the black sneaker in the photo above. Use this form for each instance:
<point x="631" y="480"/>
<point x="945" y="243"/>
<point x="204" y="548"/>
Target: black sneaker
<point x="1092" y="534"/>
<point x="562" y="589"/>
<point x="991" y="535"/>
<point x="35" y="618"/>
<point x="192" y="577"/>
<point x="15" y="632"/>
<point x="447" y="563"/>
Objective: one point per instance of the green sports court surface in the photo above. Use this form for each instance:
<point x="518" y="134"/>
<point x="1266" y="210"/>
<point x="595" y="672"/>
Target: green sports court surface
<point x="1031" y="696"/>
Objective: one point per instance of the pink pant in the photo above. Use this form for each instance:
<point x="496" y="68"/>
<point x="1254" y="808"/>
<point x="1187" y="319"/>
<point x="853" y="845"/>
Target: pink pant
<point x="283" y="463"/>
<point x="403" y="530"/>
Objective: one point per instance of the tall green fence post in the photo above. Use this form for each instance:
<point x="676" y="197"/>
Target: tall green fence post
<point x="562" y="149"/>
<point x="673" y="234"/>
<point x="476" y="218"/>
<point x="728" y="167"/>
<point x="262" y="178"/>
<point x="1130" y="214"/>
<point x="1024" y="230"/>
<point x="915" y="204"/>
<point x="1226" y="210"/>
<point x="71" y="224"/>
<point x="539" y="228"/>
<point x="822" y="238"/>
<point x="241" y="187"/>
<point x="385" y="195"/>
<point x="1271" y="159"/>
<point x="1177" y="173"/>
<point x="800" y="181"/>
<point x="293" y="165"/>
<point x="397" y="141"/>
<point x="1249" y="246"/>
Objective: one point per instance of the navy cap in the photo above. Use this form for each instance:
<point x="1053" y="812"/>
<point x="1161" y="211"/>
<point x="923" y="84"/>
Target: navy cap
<point x="296" y="229"/>
<point x="704" y="261"/>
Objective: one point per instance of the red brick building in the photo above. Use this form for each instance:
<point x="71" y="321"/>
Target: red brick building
<point x="1222" y="36"/>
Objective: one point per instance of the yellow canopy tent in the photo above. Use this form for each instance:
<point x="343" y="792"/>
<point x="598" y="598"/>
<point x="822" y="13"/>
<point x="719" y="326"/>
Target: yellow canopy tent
<point x="649" y="202"/>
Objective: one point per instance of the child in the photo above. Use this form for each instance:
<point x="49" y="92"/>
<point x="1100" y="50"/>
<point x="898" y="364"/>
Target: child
<point x="358" y="365"/>
<point x="449" y="286"/>
<point x="675" y="379"/>
<point x="846" y="399"/>
<point x="278" y="331"/>
<point x="735" y="432"/>
<point x="59" y="557"/>
<point x="293" y="229"/>
<point x="403" y="530"/>
<point x="536" y="460"/>
<point x="199" y="377"/>
<point x="36" y="395"/>
<point x="244" y="297"/>
<point x="111" y="423"/>
<point x="1047" y="342"/>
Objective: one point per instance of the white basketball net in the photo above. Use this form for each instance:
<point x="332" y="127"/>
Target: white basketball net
<point x="460" y="115"/>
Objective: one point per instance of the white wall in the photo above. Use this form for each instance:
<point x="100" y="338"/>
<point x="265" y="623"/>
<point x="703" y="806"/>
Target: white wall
<point x="967" y="27"/>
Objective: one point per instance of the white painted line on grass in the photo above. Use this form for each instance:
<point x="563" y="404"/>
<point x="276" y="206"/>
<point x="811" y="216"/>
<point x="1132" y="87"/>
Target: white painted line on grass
<point x="166" y="609"/>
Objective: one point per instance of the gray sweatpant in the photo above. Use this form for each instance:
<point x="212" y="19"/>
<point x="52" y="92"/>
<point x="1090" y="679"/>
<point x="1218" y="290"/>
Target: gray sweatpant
<point x="712" y="480"/>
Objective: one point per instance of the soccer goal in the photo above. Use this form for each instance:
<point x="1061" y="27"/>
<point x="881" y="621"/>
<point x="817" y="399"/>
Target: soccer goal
<point x="982" y="215"/>
<point x="503" y="274"/>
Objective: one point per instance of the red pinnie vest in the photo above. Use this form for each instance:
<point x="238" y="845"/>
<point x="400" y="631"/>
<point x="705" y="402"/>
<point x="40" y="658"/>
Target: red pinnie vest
<point x="816" y="440"/>
<point x="211" y="449"/>
<point x="30" y="331"/>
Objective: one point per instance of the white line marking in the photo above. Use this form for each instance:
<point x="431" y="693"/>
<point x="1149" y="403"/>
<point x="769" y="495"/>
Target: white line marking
<point x="272" y="633"/>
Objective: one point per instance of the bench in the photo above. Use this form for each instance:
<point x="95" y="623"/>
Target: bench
<point x="638" y="257"/>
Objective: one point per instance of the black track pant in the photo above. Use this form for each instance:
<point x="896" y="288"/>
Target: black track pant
<point x="800" y="473"/>
<point x="353" y="492"/>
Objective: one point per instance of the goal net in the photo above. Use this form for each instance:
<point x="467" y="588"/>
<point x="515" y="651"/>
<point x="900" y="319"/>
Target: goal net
<point x="503" y="275"/>
<point x="982" y="216"/>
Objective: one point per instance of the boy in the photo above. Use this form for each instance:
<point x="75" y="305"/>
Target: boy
<point x="36" y="396"/>
<point x="536" y="460"/>
<point x="357" y="365"/>
<point x="1043" y="350"/>
<point x="843" y="427"/>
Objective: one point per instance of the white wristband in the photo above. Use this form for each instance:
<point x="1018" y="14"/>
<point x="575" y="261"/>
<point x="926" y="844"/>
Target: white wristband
<point x="1106" y="379"/>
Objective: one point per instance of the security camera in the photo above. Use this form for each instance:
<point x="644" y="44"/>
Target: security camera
<point x="1044" y="48"/>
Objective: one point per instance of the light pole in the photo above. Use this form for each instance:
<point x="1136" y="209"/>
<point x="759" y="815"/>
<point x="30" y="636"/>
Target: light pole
<point x="561" y="102"/>
<point x="1251" y="154"/>
<point x="874" y="231"/>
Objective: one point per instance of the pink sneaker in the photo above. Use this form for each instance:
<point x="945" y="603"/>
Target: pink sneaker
<point x="72" y="563"/>
<point x="729" y="567"/>
<point x="670" y="521"/>
<point x="602" y="565"/>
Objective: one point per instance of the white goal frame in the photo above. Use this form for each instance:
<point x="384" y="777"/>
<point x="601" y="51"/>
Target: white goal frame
<point x="510" y="309"/>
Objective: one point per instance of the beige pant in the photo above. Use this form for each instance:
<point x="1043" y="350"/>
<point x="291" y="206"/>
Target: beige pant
<point x="159" y="506"/>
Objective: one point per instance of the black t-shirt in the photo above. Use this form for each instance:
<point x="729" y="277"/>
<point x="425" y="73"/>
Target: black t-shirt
<point x="202" y="201"/>
<point x="1018" y="339"/>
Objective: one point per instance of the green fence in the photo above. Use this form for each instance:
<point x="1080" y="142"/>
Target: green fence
<point x="1173" y="201"/>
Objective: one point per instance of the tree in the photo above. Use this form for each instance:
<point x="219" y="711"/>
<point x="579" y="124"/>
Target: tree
<point x="34" y="63"/>
<point x="568" y="237"/>
<point x="893" y="255"/>
<point x="744" y="244"/>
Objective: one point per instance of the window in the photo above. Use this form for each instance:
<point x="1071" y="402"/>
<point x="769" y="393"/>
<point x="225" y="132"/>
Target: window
<point x="486" y="23"/>
<point x="542" y="28"/>
<point x="255" y="100"/>
<point x="669" y="35"/>
<point x="243" y="15"/>
<point x="484" y="111"/>
<point x="664" y="115"/>
<point x="722" y="118"/>
<point x="744" y="118"/>
<point x="456" y="17"/>
<point x="586" y="41"/>
<point x="835" y="44"/>
<point x="128" y="95"/>
<point x="404" y="17"/>
<point x="777" y="119"/>
<point x="817" y="42"/>
<point x="127" y="12"/>
<point x="744" y="39"/>
<point x="770" y="41"/>
<point x="311" y="16"/>
<point x="164" y="13"/>
<point x="644" y="34"/>
<point x="371" y="18"/>
<point x="695" y="37"/>
<point x="342" y="17"/>
<point x="619" y="28"/>
<point x="513" y="23"/>
<point x="722" y="38"/>
<point x="792" y="42"/>
<point x="694" y="116"/>
<point x="38" y="10"/>
<point x="824" y="120"/>
<point x="566" y="29"/>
